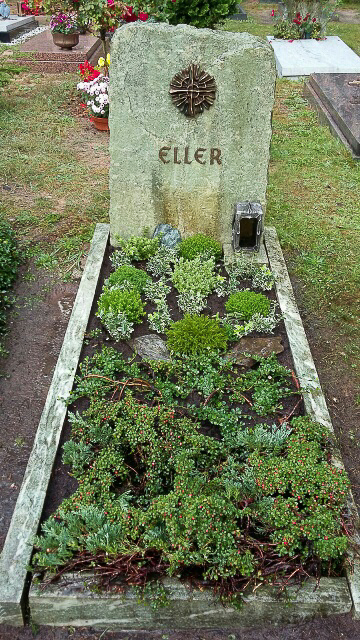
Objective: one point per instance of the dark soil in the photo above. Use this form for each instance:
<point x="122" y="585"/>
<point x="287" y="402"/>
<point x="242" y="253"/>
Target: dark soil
<point x="61" y="484"/>
<point x="34" y="341"/>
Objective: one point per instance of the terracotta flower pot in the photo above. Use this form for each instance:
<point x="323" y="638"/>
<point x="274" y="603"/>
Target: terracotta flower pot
<point x="102" y="124"/>
<point x="65" y="40"/>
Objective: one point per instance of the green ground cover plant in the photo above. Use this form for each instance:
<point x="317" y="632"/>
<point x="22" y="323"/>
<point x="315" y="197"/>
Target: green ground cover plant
<point x="152" y="483"/>
<point x="193" y="465"/>
<point x="119" y="310"/>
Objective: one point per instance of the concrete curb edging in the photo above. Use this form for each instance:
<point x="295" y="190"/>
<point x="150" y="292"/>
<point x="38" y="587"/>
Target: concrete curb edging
<point x="314" y="400"/>
<point x="17" y="550"/>
<point x="72" y="601"/>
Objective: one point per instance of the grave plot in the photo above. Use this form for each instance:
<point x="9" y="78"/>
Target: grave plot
<point x="247" y="458"/>
<point x="206" y="475"/>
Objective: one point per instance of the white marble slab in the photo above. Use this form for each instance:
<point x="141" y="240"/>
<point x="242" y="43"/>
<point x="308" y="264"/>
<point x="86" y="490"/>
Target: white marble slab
<point x="15" y="22"/>
<point x="303" y="57"/>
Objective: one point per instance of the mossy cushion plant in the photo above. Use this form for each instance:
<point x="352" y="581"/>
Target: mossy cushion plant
<point x="196" y="334"/>
<point x="118" y="310"/>
<point x="127" y="277"/>
<point x="247" y="304"/>
<point x="121" y="301"/>
<point x="200" y="245"/>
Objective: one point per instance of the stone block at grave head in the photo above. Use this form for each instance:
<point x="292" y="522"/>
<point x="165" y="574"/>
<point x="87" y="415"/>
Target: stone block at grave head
<point x="190" y="127"/>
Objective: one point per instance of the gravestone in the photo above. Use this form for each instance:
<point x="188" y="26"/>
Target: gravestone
<point x="336" y="97"/>
<point x="190" y="127"/>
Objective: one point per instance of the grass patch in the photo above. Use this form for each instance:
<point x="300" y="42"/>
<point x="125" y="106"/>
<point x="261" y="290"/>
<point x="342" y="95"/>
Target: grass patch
<point x="249" y="26"/>
<point x="313" y="199"/>
<point x="56" y="180"/>
<point x="349" y="33"/>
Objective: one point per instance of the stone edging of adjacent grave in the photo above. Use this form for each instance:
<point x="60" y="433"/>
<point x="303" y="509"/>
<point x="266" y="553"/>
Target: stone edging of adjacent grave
<point x="72" y="601"/>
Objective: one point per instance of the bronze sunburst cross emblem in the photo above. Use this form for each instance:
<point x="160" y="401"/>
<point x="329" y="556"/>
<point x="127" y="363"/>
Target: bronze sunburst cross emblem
<point x="192" y="90"/>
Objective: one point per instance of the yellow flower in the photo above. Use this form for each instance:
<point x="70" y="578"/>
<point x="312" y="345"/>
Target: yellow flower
<point x="108" y="59"/>
<point x="101" y="62"/>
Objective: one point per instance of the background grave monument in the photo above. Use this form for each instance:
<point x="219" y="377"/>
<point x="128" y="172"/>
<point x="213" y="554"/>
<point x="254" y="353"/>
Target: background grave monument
<point x="190" y="127"/>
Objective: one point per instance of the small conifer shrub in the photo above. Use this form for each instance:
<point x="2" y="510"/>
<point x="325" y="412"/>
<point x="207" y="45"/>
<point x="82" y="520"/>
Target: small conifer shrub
<point x="196" y="334"/>
<point x="200" y="245"/>
<point x="247" y="304"/>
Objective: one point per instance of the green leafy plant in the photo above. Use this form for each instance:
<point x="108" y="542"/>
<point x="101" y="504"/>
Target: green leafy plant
<point x="196" y="334"/>
<point x="118" y="310"/>
<point x="153" y="490"/>
<point x="200" y="245"/>
<point x="160" y="319"/>
<point x="195" y="276"/>
<point x="139" y="248"/>
<point x="269" y="383"/>
<point x="198" y="13"/>
<point x="160" y="263"/>
<point x="247" y="304"/>
<point x="127" y="277"/>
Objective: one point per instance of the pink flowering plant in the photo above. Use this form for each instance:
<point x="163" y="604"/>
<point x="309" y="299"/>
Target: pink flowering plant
<point x="95" y="95"/>
<point x="63" y="23"/>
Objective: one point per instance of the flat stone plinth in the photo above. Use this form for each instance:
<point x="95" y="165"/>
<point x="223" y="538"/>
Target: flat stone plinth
<point x="336" y="97"/>
<point x="304" y="57"/>
<point x="16" y="25"/>
<point x="45" y="56"/>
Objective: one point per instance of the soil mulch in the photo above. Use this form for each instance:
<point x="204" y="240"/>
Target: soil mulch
<point x="34" y="341"/>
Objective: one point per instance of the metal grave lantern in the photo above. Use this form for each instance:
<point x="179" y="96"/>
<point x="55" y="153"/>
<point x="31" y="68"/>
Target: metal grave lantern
<point x="247" y="226"/>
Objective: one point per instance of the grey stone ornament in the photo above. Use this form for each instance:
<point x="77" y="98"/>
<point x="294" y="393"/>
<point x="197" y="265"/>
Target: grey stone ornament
<point x="150" y="346"/>
<point x="170" y="237"/>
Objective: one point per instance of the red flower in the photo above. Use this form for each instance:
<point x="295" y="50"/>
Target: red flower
<point x="273" y="12"/>
<point x="314" y="19"/>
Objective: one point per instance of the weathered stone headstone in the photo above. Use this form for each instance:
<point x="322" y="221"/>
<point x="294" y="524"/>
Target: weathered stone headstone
<point x="168" y="165"/>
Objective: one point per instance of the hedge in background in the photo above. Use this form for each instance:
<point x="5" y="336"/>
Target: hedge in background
<point x="9" y="263"/>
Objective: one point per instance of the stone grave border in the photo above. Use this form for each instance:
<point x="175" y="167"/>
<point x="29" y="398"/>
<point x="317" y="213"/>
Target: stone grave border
<point x="72" y="601"/>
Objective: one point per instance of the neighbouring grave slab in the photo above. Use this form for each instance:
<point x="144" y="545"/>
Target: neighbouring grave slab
<point x="168" y="167"/>
<point x="45" y="56"/>
<point x="336" y="97"/>
<point x="304" y="57"/>
<point x="15" y="26"/>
